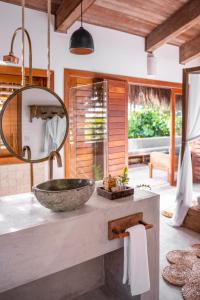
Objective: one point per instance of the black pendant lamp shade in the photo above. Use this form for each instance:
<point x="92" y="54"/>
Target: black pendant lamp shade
<point x="81" y="41"/>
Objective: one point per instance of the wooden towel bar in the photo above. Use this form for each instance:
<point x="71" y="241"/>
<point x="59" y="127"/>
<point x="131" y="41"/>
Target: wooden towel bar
<point x="117" y="228"/>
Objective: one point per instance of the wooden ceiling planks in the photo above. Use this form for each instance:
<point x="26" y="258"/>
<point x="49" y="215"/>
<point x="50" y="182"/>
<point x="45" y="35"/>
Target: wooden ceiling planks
<point x="40" y="5"/>
<point x="134" y="16"/>
<point x="144" y="18"/>
<point x="108" y="18"/>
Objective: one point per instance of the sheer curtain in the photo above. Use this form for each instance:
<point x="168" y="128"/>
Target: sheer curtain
<point x="184" y="181"/>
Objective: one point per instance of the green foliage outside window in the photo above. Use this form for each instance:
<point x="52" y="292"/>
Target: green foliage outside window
<point x="149" y="122"/>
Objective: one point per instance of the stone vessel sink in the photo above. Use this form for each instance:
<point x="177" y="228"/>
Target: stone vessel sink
<point x="64" y="194"/>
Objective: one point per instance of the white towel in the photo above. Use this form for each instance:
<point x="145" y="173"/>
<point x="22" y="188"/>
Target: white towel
<point x="54" y="134"/>
<point x="136" y="267"/>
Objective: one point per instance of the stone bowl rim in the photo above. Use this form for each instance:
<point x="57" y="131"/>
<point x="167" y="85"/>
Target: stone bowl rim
<point x="91" y="183"/>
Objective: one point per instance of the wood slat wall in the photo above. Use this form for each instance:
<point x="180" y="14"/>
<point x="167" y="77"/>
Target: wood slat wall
<point x="117" y="126"/>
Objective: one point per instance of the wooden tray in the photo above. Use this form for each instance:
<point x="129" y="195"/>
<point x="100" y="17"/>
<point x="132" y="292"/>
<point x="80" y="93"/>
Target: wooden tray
<point x="115" y="195"/>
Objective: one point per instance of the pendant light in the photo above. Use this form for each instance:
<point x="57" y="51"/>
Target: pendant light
<point x="81" y="42"/>
<point x="151" y="64"/>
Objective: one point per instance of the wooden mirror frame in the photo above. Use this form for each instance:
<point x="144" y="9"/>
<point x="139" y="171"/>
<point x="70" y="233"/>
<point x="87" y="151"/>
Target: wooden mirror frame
<point x="1" y="122"/>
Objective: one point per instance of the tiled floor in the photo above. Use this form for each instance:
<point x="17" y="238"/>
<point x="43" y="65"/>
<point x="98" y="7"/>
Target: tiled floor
<point x="97" y="294"/>
<point x="139" y="174"/>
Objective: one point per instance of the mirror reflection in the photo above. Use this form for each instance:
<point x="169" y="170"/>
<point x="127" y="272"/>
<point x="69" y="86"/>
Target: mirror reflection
<point x="34" y="123"/>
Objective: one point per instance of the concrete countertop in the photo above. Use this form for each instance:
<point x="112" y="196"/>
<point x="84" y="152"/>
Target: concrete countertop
<point x="23" y="211"/>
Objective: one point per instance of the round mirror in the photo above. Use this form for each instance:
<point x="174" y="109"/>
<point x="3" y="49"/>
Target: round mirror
<point x="33" y="123"/>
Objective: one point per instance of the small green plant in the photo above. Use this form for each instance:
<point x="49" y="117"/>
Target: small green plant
<point x="123" y="179"/>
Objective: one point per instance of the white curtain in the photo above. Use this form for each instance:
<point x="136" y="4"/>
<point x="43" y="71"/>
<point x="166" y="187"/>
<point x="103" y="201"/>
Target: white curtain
<point x="184" y="180"/>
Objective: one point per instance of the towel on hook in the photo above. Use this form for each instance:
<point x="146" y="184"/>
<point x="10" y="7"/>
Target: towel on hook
<point x="136" y="267"/>
<point x="54" y="133"/>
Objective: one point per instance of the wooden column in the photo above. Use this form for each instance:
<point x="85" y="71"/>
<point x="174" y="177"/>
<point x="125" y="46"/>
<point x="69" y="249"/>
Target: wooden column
<point x="184" y="111"/>
<point x="172" y="137"/>
<point x="117" y="126"/>
<point x="173" y="160"/>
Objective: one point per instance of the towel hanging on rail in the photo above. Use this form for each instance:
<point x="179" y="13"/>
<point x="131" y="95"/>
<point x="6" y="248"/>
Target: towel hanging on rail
<point x="136" y="268"/>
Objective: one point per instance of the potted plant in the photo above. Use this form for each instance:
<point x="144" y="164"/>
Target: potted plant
<point x="123" y="179"/>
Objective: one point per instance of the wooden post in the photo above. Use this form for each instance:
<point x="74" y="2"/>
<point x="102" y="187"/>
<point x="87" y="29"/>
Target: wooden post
<point x="174" y="93"/>
<point x="150" y="170"/>
<point x="172" y="137"/>
<point x="184" y="111"/>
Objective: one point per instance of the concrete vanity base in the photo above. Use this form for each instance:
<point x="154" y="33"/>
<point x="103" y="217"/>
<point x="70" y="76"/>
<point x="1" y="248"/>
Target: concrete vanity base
<point x="99" y="279"/>
<point x="65" y="285"/>
<point x="61" y="256"/>
<point x="113" y="264"/>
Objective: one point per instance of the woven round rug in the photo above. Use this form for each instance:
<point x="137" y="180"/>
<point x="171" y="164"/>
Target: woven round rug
<point x="176" y="274"/>
<point x="196" y="247"/>
<point x="184" y="257"/>
<point x="195" y="272"/>
<point x="191" y="290"/>
<point x="196" y="267"/>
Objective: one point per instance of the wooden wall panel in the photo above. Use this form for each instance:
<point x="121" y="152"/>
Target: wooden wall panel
<point x="195" y="149"/>
<point x="117" y="126"/>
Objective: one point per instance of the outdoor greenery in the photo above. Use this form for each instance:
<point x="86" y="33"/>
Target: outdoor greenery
<point x="178" y="125"/>
<point x="149" y="122"/>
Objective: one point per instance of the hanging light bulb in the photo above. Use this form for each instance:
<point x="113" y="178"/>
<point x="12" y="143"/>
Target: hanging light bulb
<point x="81" y="41"/>
<point x="151" y="64"/>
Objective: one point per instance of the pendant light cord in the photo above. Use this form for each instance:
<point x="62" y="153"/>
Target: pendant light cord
<point x="81" y="13"/>
<point x="49" y="45"/>
<point x="23" y="46"/>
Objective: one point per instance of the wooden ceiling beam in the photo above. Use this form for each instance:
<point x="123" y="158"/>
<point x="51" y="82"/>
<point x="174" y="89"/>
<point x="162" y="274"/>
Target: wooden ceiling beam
<point x="180" y="21"/>
<point x="68" y="12"/>
<point x="190" y="50"/>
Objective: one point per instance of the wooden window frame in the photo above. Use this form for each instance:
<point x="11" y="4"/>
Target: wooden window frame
<point x="16" y="71"/>
<point x="173" y="86"/>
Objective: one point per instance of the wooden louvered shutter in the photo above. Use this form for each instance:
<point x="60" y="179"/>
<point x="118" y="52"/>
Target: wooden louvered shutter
<point x="117" y="126"/>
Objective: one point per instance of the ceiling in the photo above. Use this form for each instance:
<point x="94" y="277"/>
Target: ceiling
<point x="144" y="18"/>
<point x="137" y="17"/>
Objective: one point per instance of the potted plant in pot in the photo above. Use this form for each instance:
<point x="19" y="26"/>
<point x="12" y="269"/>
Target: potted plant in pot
<point x="123" y="179"/>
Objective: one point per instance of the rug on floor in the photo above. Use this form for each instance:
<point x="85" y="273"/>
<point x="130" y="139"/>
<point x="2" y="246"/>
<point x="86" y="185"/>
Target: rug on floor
<point x="184" y="271"/>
